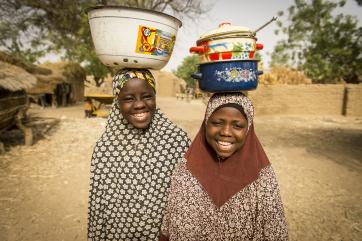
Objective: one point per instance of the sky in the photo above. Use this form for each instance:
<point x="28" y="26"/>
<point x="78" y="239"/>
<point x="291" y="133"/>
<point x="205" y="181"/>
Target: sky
<point x="251" y="14"/>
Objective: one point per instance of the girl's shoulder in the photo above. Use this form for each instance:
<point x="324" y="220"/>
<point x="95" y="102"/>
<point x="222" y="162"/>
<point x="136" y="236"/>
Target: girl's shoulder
<point x="180" y="169"/>
<point x="181" y="165"/>
<point x="267" y="182"/>
<point x="267" y="174"/>
<point x="172" y="129"/>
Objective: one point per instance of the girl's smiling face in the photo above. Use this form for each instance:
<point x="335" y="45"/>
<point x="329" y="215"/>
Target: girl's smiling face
<point x="137" y="102"/>
<point x="226" y="131"/>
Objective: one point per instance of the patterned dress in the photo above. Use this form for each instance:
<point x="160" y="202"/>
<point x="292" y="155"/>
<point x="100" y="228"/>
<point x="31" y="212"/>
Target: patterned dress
<point x="130" y="177"/>
<point x="235" y="198"/>
<point x="254" y="213"/>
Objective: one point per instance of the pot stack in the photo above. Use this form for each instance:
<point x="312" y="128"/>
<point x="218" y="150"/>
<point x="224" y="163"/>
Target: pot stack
<point x="226" y="57"/>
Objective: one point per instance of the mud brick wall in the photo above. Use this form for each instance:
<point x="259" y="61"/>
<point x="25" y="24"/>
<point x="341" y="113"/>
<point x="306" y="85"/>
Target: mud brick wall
<point x="302" y="99"/>
<point x="353" y="106"/>
<point x="167" y="84"/>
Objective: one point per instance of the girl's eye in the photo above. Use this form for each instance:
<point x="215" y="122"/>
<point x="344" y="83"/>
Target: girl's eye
<point x="216" y="123"/>
<point x="127" y="99"/>
<point x="147" y="97"/>
<point x="239" y="126"/>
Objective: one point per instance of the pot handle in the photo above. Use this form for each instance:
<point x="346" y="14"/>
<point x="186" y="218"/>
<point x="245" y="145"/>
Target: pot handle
<point x="196" y="76"/>
<point x="259" y="46"/>
<point x="198" y="49"/>
<point x="259" y="72"/>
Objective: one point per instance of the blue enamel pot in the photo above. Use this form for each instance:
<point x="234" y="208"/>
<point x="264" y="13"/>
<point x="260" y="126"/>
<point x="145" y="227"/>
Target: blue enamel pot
<point x="228" y="76"/>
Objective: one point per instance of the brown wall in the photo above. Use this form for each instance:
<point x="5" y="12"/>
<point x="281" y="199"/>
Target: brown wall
<point x="77" y="94"/>
<point x="354" y="100"/>
<point x="307" y="99"/>
<point x="167" y="84"/>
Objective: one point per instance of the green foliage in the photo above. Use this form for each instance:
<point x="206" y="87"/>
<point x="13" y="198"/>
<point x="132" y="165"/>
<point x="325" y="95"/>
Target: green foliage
<point x="94" y="67"/>
<point x="258" y="56"/>
<point x="188" y="67"/>
<point x="74" y="71"/>
<point x="327" y="48"/>
<point x="29" y="29"/>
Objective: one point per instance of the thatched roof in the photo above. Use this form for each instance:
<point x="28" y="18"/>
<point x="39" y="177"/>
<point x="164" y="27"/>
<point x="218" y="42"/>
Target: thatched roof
<point x="48" y="74"/>
<point x="33" y="69"/>
<point x="14" y="78"/>
<point x="45" y="84"/>
<point x="62" y="72"/>
<point x="68" y="71"/>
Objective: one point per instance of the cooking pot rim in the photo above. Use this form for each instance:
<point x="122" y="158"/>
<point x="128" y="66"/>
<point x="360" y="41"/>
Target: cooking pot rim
<point x="211" y="38"/>
<point x="228" y="61"/>
<point x="87" y="10"/>
<point x="232" y="34"/>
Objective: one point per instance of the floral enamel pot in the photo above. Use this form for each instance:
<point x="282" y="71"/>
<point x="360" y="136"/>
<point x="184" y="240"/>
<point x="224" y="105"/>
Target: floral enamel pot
<point x="228" y="76"/>
<point x="227" y="43"/>
<point x="127" y="37"/>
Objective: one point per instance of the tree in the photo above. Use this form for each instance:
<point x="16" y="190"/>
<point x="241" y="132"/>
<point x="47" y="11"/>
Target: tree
<point x="188" y="8"/>
<point x="326" y="47"/>
<point x="188" y="67"/>
<point x="94" y="67"/>
<point x="31" y="28"/>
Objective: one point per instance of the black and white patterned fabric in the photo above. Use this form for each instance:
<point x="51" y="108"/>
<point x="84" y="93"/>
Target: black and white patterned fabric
<point x="130" y="177"/>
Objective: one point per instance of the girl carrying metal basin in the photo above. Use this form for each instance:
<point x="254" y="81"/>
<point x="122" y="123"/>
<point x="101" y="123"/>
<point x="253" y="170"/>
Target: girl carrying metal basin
<point x="132" y="163"/>
<point x="133" y="160"/>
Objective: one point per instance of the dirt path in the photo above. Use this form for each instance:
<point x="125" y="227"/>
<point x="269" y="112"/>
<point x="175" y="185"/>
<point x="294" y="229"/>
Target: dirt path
<point x="44" y="188"/>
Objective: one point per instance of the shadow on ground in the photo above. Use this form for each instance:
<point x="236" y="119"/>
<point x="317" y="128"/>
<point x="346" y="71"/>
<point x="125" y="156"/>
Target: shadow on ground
<point x="343" y="146"/>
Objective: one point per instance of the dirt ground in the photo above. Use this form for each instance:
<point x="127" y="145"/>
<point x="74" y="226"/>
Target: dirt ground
<point x="318" y="161"/>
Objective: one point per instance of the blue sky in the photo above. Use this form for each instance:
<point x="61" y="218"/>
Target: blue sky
<point x="251" y="14"/>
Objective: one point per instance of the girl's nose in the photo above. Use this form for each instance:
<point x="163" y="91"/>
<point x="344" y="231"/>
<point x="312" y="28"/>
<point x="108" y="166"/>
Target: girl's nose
<point x="225" y="130"/>
<point x="139" y="104"/>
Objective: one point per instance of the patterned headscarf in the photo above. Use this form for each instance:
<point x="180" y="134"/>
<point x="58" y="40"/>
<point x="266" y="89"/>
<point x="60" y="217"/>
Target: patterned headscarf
<point x="123" y="75"/>
<point x="220" y="99"/>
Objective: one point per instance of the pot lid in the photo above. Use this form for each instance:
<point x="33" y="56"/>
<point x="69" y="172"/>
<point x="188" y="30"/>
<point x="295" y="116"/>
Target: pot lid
<point x="225" y="30"/>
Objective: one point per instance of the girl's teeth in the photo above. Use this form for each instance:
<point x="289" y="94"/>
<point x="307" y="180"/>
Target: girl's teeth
<point x="224" y="145"/>
<point x="140" y="115"/>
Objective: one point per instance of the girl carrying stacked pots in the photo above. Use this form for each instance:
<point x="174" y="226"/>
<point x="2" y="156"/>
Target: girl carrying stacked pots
<point x="225" y="188"/>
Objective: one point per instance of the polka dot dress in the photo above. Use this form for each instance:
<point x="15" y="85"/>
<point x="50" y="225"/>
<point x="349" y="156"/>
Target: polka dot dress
<point x="130" y="177"/>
